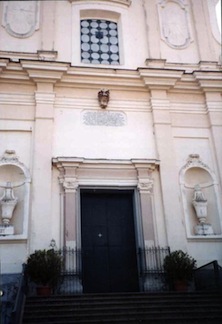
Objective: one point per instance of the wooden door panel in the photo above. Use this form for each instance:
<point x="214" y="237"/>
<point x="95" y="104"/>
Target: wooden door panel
<point x="108" y="234"/>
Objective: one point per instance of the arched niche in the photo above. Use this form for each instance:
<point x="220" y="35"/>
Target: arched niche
<point x="194" y="173"/>
<point x="15" y="175"/>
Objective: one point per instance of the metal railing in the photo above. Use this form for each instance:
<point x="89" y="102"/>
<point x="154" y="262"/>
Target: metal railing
<point x="154" y="258"/>
<point x="152" y="271"/>
<point x="70" y="281"/>
<point x="208" y="277"/>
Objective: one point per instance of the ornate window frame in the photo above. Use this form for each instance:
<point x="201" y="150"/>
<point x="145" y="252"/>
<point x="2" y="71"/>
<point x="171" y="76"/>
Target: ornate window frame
<point x="92" y="10"/>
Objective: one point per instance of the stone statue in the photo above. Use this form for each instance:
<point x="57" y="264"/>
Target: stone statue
<point x="8" y="202"/>
<point x="200" y="205"/>
<point x="198" y="195"/>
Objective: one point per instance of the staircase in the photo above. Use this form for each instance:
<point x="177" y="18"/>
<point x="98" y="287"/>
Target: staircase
<point x="125" y="308"/>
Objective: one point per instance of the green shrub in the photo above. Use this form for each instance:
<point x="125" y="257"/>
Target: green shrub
<point x="178" y="265"/>
<point x="44" y="267"/>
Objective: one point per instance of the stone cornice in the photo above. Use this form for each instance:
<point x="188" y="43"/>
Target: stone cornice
<point x="75" y="162"/>
<point x="44" y="71"/>
<point x="3" y="63"/>
<point x="102" y="172"/>
<point x="93" y="77"/>
<point x="186" y="67"/>
<point x="209" y="80"/>
<point x="44" y="97"/>
<point x="121" y="2"/>
<point x="160" y="78"/>
<point x="187" y="78"/>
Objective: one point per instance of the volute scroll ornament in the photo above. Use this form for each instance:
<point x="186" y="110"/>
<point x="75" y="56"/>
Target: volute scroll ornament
<point x="21" y="18"/>
<point x="146" y="186"/>
<point x="68" y="184"/>
<point x="174" y="23"/>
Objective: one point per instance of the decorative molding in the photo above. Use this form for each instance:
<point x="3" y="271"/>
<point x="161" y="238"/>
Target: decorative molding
<point x="10" y="158"/>
<point x="209" y="81"/>
<point x="47" y="55"/>
<point x="23" y="99"/>
<point x="43" y="71"/>
<point x="145" y="186"/>
<point x="21" y="18"/>
<point x="44" y="97"/>
<point x="70" y="185"/>
<point x="101" y="172"/>
<point x="174" y="23"/>
<point x="194" y="161"/>
<point x="122" y="2"/>
<point x="160" y="78"/>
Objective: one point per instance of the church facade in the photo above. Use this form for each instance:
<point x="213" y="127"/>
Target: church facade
<point x="110" y="132"/>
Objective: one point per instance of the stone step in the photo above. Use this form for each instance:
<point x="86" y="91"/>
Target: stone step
<point x="141" y="297"/>
<point x="118" y="307"/>
<point x="125" y="308"/>
<point x="139" y="316"/>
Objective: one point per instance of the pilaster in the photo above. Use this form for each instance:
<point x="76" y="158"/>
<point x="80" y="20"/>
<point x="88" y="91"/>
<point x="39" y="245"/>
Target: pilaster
<point x="145" y="188"/>
<point x="69" y="185"/>
<point x="152" y="29"/>
<point x="169" y="178"/>
<point x="42" y="175"/>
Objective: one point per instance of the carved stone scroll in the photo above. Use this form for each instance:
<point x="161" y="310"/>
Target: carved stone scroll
<point x="174" y="23"/>
<point x="21" y="18"/>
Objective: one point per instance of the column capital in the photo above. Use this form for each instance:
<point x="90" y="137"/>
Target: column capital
<point x="69" y="185"/>
<point x="145" y="186"/>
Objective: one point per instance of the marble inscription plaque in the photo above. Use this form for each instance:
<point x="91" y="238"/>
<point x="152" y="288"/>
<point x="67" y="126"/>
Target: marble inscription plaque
<point x="104" y="118"/>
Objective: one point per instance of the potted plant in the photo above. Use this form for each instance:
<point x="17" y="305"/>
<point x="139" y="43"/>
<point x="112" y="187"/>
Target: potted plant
<point x="179" y="267"/>
<point x="44" y="269"/>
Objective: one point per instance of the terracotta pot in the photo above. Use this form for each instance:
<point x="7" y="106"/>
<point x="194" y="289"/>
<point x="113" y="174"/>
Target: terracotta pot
<point x="180" y="285"/>
<point x="44" y="290"/>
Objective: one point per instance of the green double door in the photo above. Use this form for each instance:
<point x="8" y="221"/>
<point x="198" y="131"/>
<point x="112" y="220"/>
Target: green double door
<point x="109" y="257"/>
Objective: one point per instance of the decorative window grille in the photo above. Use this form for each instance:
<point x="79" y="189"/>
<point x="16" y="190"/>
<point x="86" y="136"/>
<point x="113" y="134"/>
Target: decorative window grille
<point x="99" y="42"/>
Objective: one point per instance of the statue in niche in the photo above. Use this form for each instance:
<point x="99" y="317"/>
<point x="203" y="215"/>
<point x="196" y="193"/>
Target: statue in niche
<point x="103" y="97"/>
<point x="8" y="203"/>
<point x="200" y="205"/>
